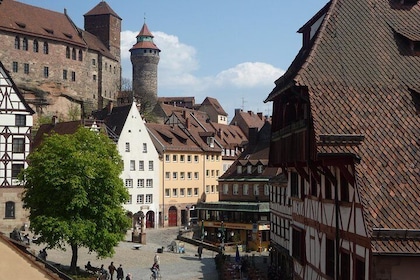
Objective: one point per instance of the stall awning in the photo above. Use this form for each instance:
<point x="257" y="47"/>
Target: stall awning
<point x="257" y="207"/>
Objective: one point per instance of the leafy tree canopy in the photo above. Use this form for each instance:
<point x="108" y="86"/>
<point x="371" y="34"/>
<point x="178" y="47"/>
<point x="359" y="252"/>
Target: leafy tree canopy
<point x="74" y="193"/>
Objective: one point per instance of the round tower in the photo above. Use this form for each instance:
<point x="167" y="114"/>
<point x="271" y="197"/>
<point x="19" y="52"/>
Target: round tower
<point x="145" y="60"/>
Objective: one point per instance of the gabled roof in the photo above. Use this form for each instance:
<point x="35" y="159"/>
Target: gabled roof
<point x="358" y="72"/>
<point x="116" y="119"/>
<point x="214" y="103"/>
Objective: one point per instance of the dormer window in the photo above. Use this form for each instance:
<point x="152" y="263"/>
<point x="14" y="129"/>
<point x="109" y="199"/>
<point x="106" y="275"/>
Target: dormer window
<point x="49" y="31"/>
<point x="210" y="142"/>
<point x="249" y="169"/>
<point x="403" y="4"/>
<point x="409" y="41"/>
<point x="239" y="169"/>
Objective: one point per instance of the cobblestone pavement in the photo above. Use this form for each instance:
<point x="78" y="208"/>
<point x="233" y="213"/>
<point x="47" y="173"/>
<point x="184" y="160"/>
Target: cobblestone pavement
<point x="138" y="262"/>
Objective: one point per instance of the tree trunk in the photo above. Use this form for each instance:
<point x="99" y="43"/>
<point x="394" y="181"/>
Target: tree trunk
<point x="74" y="256"/>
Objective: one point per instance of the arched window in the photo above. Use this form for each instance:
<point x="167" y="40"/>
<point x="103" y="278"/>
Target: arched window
<point x="67" y="52"/>
<point x="45" y="48"/>
<point x="17" y="42"/>
<point x="80" y="55"/>
<point x="10" y="210"/>
<point x="73" y="54"/>
<point x="25" y="44"/>
<point x="36" y="46"/>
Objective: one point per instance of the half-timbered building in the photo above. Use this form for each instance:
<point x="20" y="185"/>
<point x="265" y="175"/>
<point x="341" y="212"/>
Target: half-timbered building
<point x="15" y="138"/>
<point x="346" y="129"/>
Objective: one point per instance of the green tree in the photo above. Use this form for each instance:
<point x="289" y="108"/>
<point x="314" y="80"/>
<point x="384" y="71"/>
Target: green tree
<point x="74" y="193"/>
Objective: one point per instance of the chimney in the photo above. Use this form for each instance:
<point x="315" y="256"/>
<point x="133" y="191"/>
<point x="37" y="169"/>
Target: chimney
<point x="237" y="111"/>
<point x="219" y="133"/>
<point x="250" y="113"/>
<point x="187" y="123"/>
<point x="260" y="115"/>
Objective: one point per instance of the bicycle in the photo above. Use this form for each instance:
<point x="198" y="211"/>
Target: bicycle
<point x="155" y="276"/>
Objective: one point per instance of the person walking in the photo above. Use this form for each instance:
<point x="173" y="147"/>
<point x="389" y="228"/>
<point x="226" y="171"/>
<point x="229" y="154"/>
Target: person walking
<point x="120" y="273"/>
<point x="111" y="269"/>
<point x="156" y="259"/>
<point x="200" y="251"/>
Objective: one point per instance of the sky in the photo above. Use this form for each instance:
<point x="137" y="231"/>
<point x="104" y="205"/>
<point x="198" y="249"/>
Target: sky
<point x="231" y="50"/>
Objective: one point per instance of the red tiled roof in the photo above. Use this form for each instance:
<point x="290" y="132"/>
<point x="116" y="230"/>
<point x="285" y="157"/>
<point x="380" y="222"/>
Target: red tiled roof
<point x="359" y="72"/>
<point x="215" y="104"/>
<point x="101" y="9"/>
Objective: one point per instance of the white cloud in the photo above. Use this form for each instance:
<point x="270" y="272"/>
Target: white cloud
<point x="245" y="84"/>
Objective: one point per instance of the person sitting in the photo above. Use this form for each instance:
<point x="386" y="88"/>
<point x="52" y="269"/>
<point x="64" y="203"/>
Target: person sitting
<point x="91" y="268"/>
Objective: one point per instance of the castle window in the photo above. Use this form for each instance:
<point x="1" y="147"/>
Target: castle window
<point x="73" y="76"/>
<point x="64" y="74"/>
<point x="10" y="210"/>
<point x="36" y="46"/>
<point x="46" y="72"/>
<point x="110" y="68"/>
<point x="80" y="55"/>
<point x="17" y="42"/>
<point x="93" y="61"/>
<point x="45" y="49"/>
<point x="94" y="77"/>
<point x="25" y="44"/>
<point x="20" y="120"/>
<point x="67" y="52"/>
<point x="15" y="67"/>
<point x="26" y="68"/>
<point x="114" y="70"/>
<point x="73" y="54"/>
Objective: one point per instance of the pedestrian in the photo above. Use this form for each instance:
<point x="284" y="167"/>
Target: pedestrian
<point x="200" y="251"/>
<point x="156" y="259"/>
<point x="120" y="273"/>
<point x="128" y="276"/>
<point x="111" y="269"/>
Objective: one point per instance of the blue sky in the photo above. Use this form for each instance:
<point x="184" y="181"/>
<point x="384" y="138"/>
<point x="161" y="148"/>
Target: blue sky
<point x="231" y="50"/>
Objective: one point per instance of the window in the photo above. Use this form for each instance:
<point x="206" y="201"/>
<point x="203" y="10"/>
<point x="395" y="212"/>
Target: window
<point x="129" y="183"/>
<point x="15" y="67"/>
<point x="207" y="173"/>
<point x="249" y="169"/>
<point x="36" y="46"/>
<point x="225" y="188"/>
<point x="132" y="165"/>
<point x="174" y="192"/>
<point x="345" y="267"/>
<point x="235" y="189"/>
<point x="46" y="72"/>
<point x="45" y="48"/>
<point x="127" y="146"/>
<point x="64" y="74"/>
<point x="344" y="188"/>
<point x="144" y="147"/>
<point x="167" y="192"/>
<point x="80" y="55"/>
<point x="150" y="165"/>
<point x="174" y="175"/>
<point x="167" y="175"/>
<point x="17" y="42"/>
<point x="360" y="270"/>
<point x="18" y="145"/>
<point x="167" y="158"/>
<point x="16" y="168"/>
<point x="73" y="54"/>
<point x="140" y="198"/>
<point x="256" y="189"/>
<point x="196" y="175"/>
<point x="314" y="186"/>
<point x="140" y="183"/>
<point x="245" y="189"/>
<point x="207" y="188"/>
<point x="181" y="158"/>
<point x="174" y="158"/>
<point x="189" y="175"/>
<point x="327" y="186"/>
<point x="294" y="187"/>
<point x="188" y="158"/>
<point x="189" y="191"/>
<point x="26" y="68"/>
<point x="73" y="76"/>
<point x="141" y="165"/>
<point x="25" y="44"/>
<point x="20" y="120"/>
<point x="196" y="159"/>
<point x="149" y="198"/>
<point x="93" y="61"/>
<point x="212" y="189"/>
<point x="182" y="175"/>
<point x="149" y="183"/>
<point x="217" y="173"/>
<point x="182" y="192"/>
<point x="212" y="173"/>
<point x="298" y="245"/>
<point x="195" y="191"/>
<point x="239" y="169"/>
<point x="10" y="210"/>
<point x="94" y="77"/>
<point x="266" y="189"/>
<point x="130" y="199"/>
<point x="329" y="257"/>
<point x="260" y="169"/>
<point x="67" y="52"/>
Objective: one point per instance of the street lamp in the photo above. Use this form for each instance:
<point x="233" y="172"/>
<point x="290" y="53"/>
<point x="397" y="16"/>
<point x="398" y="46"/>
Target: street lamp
<point x="221" y="235"/>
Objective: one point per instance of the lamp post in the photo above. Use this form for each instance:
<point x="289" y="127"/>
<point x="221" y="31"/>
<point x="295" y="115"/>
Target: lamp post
<point x="223" y="237"/>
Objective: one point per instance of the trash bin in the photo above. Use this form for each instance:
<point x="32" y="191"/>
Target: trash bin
<point x="160" y="250"/>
